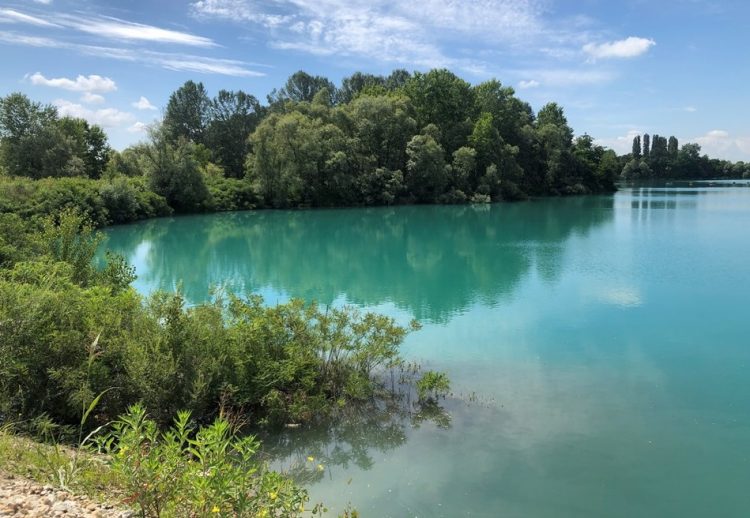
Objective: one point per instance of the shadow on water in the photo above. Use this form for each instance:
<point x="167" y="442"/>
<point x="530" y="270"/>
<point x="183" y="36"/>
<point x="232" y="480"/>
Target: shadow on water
<point x="431" y="261"/>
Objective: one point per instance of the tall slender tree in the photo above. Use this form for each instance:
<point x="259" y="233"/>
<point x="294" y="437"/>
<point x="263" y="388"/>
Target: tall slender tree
<point x="636" y="146"/>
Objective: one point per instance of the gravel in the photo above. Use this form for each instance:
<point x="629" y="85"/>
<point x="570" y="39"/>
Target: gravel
<point x="22" y="497"/>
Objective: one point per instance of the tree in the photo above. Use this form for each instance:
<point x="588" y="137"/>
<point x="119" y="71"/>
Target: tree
<point x="300" y="159"/>
<point x="188" y="113"/>
<point x="440" y="97"/>
<point x="659" y="157"/>
<point x="672" y="147"/>
<point x="426" y="177"/>
<point x="636" y="153"/>
<point x="463" y="169"/>
<point x="636" y="169"/>
<point x="647" y="144"/>
<point x="234" y="116"/>
<point x="173" y="172"/>
<point x="353" y="85"/>
<point x="32" y="144"/>
<point x="300" y="87"/>
<point x="552" y="114"/>
<point x="381" y="126"/>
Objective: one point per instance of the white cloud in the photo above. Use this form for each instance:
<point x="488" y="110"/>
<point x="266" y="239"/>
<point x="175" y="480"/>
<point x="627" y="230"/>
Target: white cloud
<point x="167" y="60"/>
<point x="138" y="127"/>
<point x="13" y="16"/>
<point x="722" y="144"/>
<point x="715" y="143"/>
<point x="622" y="144"/>
<point x="43" y="2"/>
<point x="108" y="27"/>
<point x="93" y="83"/>
<point x="105" y="117"/>
<point x="400" y="32"/>
<point x="240" y="10"/>
<point x="90" y="98"/>
<point x="690" y="109"/>
<point x="15" y="38"/>
<point x="627" y="48"/>
<point x="186" y="63"/>
<point x="532" y="83"/>
<point x="143" y="104"/>
<point x="566" y="77"/>
<point x="123" y="30"/>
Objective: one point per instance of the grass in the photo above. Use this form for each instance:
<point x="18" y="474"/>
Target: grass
<point x="78" y="471"/>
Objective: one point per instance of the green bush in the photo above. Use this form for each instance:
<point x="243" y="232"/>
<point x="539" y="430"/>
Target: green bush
<point x="103" y="202"/>
<point x="210" y="471"/>
<point x="433" y="385"/>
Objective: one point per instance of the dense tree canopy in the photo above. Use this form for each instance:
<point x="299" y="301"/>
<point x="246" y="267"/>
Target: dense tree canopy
<point x="402" y="138"/>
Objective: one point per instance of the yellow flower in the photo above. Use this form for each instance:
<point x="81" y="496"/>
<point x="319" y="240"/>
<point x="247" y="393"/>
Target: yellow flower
<point x="302" y="508"/>
<point x="215" y="509"/>
<point x="320" y="467"/>
<point x="273" y="495"/>
<point x="310" y="458"/>
<point x="263" y="513"/>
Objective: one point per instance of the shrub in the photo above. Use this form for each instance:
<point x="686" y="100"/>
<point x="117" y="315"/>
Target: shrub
<point x="433" y="385"/>
<point x="210" y="471"/>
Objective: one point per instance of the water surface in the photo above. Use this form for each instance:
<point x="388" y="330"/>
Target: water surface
<point x="605" y="339"/>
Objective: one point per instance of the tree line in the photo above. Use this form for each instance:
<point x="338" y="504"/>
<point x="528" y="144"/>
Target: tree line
<point x="660" y="158"/>
<point x="374" y="140"/>
<point x="403" y="138"/>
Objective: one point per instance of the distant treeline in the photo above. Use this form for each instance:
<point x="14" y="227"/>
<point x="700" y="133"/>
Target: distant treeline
<point x="658" y="157"/>
<point x="375" y="140"/>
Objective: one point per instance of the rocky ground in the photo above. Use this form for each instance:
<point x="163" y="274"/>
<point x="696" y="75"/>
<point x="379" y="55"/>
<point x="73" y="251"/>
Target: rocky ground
<point x="22" y="497"/>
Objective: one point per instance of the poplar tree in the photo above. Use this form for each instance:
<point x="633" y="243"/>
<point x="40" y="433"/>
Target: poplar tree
<point x="637" y="146"/>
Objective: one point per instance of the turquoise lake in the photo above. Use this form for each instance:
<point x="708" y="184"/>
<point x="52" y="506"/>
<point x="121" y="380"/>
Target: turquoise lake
<point x="598" y="347"/>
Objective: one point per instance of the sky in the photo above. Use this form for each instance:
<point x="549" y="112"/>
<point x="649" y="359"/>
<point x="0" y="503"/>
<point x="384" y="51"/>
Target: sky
<point x="619" y="68"/>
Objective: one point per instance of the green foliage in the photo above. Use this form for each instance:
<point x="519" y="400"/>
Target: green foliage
<point x="289" y="363"/>
<point x="174" y="172"/>
<point x="70" y="238"/>
<point x="234" y="116"/>
<point x="35" y="143"/>
<point x="432" y="385"/>
<point x="209" y="471"/>
<point x="666" y="159"/>
<point x="187" y="114"/>
<point x="120" y="200"/>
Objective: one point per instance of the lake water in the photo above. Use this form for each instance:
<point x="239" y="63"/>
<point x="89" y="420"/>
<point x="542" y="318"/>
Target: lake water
<point x="598" y="346"/>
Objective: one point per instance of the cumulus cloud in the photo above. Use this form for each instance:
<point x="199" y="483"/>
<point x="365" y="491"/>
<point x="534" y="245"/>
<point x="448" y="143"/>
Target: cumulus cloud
<point x="722" y="144"/>
<point x="90" y="98"/>
<point x="92" y="84"/>
<point x="628" y="48"/>
<point x="143" y="104"/>
<point x="532" y="83"/>
<point x="105" y="117"/>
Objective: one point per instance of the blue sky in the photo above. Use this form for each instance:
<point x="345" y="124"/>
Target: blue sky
<point x="619" y="68"/>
